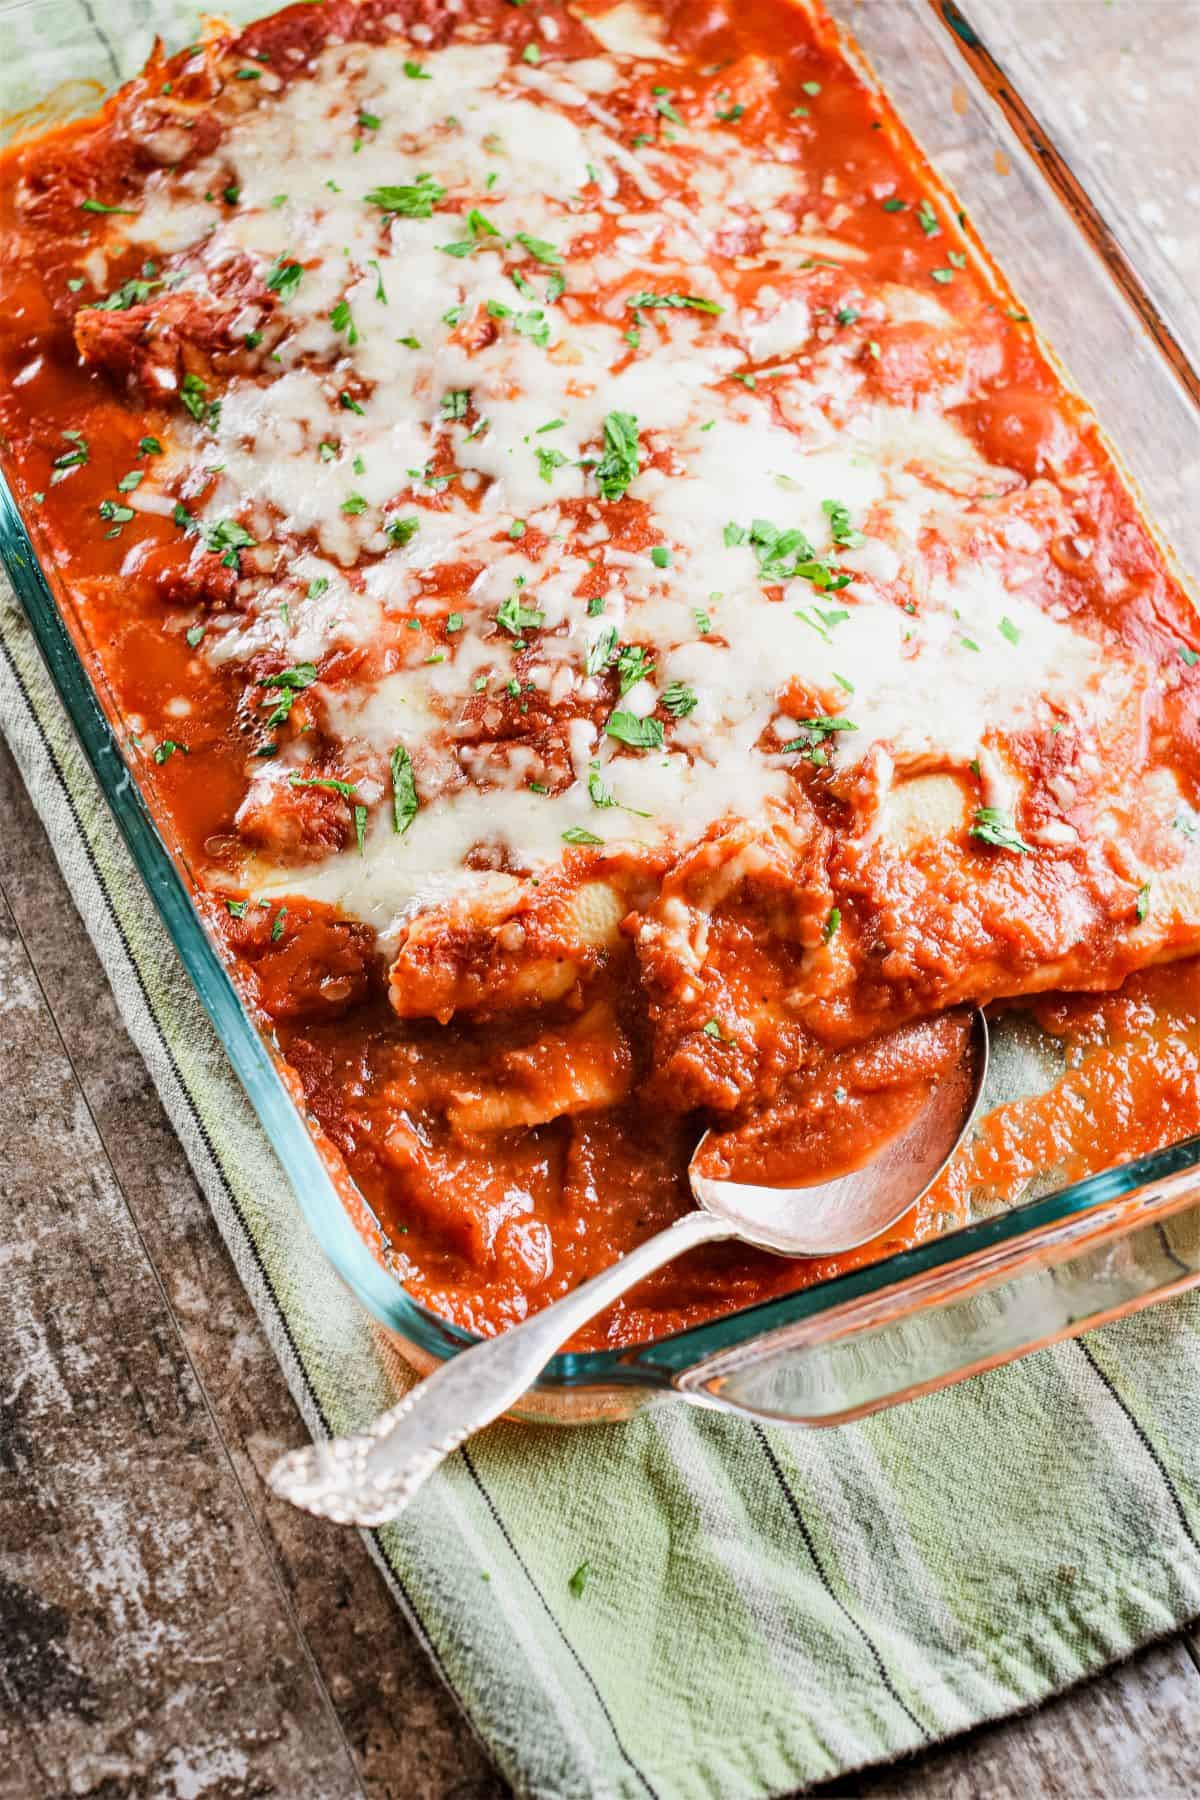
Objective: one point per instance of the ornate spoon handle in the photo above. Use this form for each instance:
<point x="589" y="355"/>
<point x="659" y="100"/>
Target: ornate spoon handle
<point x="369" y="1478"/>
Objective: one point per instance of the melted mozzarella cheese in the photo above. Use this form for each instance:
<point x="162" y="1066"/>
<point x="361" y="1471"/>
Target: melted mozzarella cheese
<point x="410" y="338"/>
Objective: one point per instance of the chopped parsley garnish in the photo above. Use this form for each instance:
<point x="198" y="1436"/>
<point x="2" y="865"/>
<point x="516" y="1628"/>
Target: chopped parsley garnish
<point x="167" y="749"/>
<point x="288" y="683"/>
<point x="277" y="924"/>
<point x="454" y="621"/>
<point x="576" y="834"/>
<point x="539" y="249"/>
<point x="601" y="651"/>
<point x="679" y="699"/>
<point x="531" y="54"/>
<point x="639" y="734"/>
<point x="823" y="620"/>
<point x="1190" y="657"/>
<point x="412" y="200"/>
<point x="731" y="114"/>
<point x="130" y="293"/>
<point x="98" y="206"/>
<point x="1008" y="630"/>
<point x="842" y="530"/>
<point x="74" y="458"/>
<point x="619" y="465"/>
<point x="193" y="391"/>
<point x="660" y="556"/>
<point x="455" y="402"/>
<point x="598" y="793"/>
<point x="194" y="635"/>
<point x="548" y="460"/>
<point x="517" y="529"/>
<point x="1143" y="902"/>
<point x="648" y="301"/>
<point x="578" y="1580"/>
<point x="927" y="219"/>
<point x="380" y="290"/>
<point x="833" y="920"/>
<point x="993" y="826"/>
<point x="894" y="205"/>
<point x="815" y="732"/>
<point x="284" y="277"/>
<point x="351" y="405"/>
<point x="353" y="505"/>
<point x="515" y="618"/>
<point x="942" y="275"/>
<point x="112" y="509"/>
<point x="663" y="106"/>
<point x="226" y="538"/>
<point x="342" y="319"/>
<point x="150" y="446"/>
<point x="847" y="315"/>
<point x="405" y="804"/>
<point x="784" y="555"/>
<point x="346" y="788"/>
<point x="317" y="586"/>
<point x="480" y="227"/>
<point x="415" y="72"/>
<point x="633" y="665"/>
<point x="236" y="908"/>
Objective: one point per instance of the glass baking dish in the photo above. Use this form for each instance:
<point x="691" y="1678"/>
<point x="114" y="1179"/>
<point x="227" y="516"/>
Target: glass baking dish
<point x="978" y="1295"/>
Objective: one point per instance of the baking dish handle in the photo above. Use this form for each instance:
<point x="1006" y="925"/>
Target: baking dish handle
<point x="968" y="1315"/>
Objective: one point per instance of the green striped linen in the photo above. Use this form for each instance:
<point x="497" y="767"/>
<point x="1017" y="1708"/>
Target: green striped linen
<point x="765" y="1609"/>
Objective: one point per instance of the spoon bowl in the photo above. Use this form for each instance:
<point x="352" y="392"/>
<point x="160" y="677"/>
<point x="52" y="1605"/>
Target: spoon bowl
<point x="829" y="1217"/>
<point x="370" y="1477"/>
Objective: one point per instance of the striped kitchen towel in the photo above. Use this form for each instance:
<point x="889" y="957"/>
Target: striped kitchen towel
<point x="763" y="1609"/>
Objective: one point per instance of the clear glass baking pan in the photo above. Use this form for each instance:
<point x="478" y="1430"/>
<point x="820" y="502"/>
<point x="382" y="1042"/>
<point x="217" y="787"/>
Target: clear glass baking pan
<point x="994" y="1288"/>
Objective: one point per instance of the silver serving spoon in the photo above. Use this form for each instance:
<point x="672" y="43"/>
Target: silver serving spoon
<point x="370" y="1478"/>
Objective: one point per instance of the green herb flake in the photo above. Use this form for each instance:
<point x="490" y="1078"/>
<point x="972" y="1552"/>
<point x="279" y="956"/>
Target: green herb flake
<point x="679" y="699"/>
<point x="579" y="1579"/>
<point x="994" y="826"/>
<point x="284" y="277"/>
<point x="1143" y="902"/>
<point x="832" y="922"/>
<point x="405" y="804"/>
<point x="411" y="200"/>
<point x="638" y="733"/>
<point x="620" y="463"/>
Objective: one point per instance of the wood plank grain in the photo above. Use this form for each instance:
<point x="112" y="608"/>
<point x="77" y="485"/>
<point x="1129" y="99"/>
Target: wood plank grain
<point x="121" y="1517"/>
<point x="405" y="1736"/>
<point x="1131" y="1733"/>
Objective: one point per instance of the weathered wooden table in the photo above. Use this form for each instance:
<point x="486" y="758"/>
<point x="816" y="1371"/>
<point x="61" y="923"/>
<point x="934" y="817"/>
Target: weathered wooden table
<point x="166" y="1627"/>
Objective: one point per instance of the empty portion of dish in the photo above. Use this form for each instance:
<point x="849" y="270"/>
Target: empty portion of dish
<point x="613" y="604"/>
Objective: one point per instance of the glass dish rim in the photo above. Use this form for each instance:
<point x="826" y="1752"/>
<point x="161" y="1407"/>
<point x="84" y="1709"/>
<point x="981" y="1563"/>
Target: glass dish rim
<point x="654" y="1362"/>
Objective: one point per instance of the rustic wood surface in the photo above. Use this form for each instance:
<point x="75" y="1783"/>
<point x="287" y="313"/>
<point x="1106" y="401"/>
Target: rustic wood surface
<point x="166" y="1627"/>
